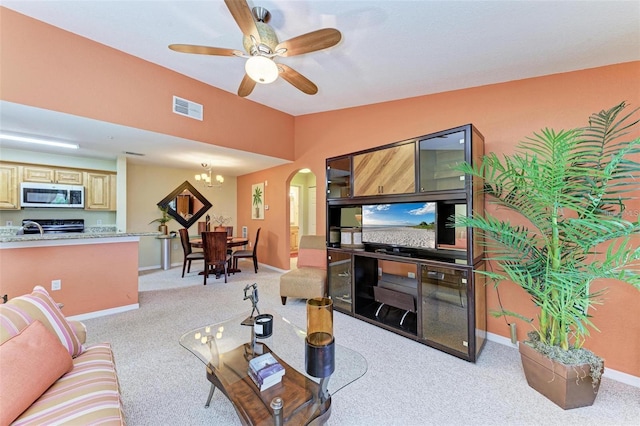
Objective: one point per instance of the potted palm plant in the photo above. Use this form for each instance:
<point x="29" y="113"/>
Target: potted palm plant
<point x="162" y="220"/>
<point x="571" y="187"/>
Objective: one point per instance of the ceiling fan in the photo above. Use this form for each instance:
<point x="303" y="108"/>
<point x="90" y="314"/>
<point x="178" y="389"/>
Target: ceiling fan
<point x="262" y="47"/>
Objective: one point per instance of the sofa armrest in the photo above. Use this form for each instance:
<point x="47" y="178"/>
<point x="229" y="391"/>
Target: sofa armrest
<point x="80" y="329"/>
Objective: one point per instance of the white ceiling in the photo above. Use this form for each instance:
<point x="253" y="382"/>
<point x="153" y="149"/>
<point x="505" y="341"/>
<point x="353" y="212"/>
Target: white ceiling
<point x="389" y="50"/>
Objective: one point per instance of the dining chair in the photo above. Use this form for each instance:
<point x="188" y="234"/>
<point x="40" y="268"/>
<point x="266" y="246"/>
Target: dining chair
<point x="238" y="254"/>
<point x="215" y="253"/>
<point x="227" y="229"/>
<point x="189" y="255"/>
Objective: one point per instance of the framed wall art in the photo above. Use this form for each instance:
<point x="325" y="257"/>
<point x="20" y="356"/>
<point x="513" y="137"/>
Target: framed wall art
<point x="257" y="201"/>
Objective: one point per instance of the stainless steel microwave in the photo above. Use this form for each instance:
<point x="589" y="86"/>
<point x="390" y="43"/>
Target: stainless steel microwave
<point x="51" y="195"/>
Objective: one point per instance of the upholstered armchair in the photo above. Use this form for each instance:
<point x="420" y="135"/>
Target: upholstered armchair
<point x="310" y="278"/>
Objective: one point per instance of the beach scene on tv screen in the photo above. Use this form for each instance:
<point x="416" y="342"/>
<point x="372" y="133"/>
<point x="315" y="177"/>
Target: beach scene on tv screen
<point x="402" y="224"/>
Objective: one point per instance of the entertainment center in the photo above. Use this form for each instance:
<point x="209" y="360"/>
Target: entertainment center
<point x="395" y="258"/>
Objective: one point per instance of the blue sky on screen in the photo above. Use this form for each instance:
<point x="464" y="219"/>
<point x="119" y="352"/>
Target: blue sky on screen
<point x="401" y="214"/>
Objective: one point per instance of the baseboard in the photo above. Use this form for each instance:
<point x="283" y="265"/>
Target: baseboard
<point x="609" y="373"/>
<point x="104" y="312"/>
<point x="148" y="268"/>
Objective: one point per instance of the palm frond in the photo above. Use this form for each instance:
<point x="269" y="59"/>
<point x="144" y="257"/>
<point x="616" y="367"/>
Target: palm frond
<point x="571" y="187"/>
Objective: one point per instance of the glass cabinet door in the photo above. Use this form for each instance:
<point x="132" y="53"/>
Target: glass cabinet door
<point x="339" y="279"/>
<point x="438" y="157"/>
<point x="339" y="178"/>
<point x="445" y="307"/>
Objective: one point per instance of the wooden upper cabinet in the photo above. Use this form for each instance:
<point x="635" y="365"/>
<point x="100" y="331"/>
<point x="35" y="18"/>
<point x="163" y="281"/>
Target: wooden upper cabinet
<point x="71" y="177"/>
<point x="385" y="171"/>
<point x="100" y="191"/>
<point x="37" y="174"/>
<point x="9" y="199"/>
<point x="51" y="175"/>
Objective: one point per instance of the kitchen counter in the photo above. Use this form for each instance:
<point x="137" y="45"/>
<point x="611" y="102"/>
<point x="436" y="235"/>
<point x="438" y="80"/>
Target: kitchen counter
<point x="37" y="240"/>
<point x="92" y="273"/>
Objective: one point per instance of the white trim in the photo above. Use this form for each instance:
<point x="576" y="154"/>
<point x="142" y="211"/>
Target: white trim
<point x="609" y="373"/>
<point x="148" y="268"/>
<point x="273" y="268"/>
<point x="104" y="312"/>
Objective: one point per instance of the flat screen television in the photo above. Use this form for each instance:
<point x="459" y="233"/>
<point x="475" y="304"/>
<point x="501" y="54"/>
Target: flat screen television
<point x="410" y="225"/>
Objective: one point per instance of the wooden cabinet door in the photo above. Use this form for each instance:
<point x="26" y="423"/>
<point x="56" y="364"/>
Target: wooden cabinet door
<point x="71" y="177"/>
<point x="9" y="187"/>
<point x="38" y="174"/>
<point x="98" y="191"/>
<point x="386" y="171"/>
<point x="293" y="238"/>
<point x="51" y="175"/>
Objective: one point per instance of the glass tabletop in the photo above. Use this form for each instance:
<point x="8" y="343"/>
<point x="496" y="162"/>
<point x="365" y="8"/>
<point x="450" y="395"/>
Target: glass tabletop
<point x="213" y="343"/>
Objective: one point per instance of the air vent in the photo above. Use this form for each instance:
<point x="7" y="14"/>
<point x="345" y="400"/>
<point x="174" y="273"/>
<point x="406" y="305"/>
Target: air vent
<point x="134" y="153"/>
<point x="187" y="108"/>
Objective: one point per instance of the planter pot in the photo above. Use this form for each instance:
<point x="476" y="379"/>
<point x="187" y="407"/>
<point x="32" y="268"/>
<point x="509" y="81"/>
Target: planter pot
<point x="568" y="386"/>
<point x="163" y="229"/>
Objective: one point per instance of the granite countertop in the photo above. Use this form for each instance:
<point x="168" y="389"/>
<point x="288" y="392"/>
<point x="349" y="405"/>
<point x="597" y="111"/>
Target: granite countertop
<point x="73" y="236"/>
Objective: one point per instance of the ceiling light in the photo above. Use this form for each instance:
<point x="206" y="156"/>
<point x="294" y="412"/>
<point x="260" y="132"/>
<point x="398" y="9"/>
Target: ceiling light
<point x="39" y="141"/>
<point x="206" y="178"/>
<point x="261" y="69"/>
<point x="305" y="170"/>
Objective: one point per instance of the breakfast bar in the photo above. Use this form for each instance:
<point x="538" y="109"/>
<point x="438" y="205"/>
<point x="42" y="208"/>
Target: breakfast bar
<point x="90" y="273"/>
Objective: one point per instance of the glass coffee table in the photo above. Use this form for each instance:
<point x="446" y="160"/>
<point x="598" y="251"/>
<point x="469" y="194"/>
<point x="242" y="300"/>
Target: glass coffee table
<point x="299" y="399"/>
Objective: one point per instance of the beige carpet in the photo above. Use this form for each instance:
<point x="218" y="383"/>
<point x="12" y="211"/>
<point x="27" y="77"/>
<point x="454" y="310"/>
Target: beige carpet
<point x="406" y="383"/>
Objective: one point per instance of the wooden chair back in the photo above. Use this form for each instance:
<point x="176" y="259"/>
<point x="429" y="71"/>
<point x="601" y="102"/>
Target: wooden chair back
<point x="215" y="247"/>
<point x="227" y="229"/>
<point x="184" y="239"/>
<point x="255" y="243"/>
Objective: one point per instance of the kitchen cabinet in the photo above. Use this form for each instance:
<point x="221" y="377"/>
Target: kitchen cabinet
<point x="293" y="238"/>
<point x="51" y="175"/>
<point x="71" y="177"/>
<point x="100" y="191"/>
<point x="9" y="199"/>
<point x="385" y="171"/>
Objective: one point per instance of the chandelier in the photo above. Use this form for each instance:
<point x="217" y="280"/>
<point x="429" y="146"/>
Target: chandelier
<point x="206" y="178"/>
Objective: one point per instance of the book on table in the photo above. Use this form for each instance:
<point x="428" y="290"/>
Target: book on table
<point x="265" y="371"/>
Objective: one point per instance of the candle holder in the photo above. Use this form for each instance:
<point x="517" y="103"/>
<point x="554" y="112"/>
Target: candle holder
<point x="320" y="343"/>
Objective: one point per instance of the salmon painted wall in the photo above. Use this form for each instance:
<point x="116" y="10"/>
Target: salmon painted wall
<point x="505" y="114"/>
<point x="90" y="282"/>
<point x="44" y="66"/>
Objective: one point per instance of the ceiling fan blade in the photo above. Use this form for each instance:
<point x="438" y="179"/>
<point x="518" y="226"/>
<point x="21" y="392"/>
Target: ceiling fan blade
<point x="242" y="14"/>
<point x="310" y="42"/>
<point x="204" y="50"/>
<point x="246" y="86"/>
<point x="297" y="80"/>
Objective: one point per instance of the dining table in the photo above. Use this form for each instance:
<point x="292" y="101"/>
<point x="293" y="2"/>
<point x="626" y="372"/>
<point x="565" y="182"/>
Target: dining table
<point x="196" y="242"/>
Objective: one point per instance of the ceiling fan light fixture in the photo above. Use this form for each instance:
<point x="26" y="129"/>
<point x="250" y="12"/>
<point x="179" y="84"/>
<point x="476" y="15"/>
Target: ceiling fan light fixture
<point x="261" y="69"/>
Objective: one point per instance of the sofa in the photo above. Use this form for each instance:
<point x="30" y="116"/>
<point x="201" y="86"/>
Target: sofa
<point x="47" y="374"/>
<point x="310" y="278"/>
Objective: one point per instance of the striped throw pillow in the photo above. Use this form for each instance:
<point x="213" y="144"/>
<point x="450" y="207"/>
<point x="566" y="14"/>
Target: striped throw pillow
<point x="40" y="306"/>
<point x="12" y="321"/>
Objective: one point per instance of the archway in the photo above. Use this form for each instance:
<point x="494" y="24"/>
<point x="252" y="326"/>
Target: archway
<point x="301" y="207"/>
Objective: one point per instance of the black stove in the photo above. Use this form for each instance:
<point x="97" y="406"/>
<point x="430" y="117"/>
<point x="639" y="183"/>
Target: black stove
<point x="52" y="226"/>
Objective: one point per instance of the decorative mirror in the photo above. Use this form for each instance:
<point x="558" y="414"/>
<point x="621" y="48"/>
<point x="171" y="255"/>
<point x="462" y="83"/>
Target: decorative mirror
<point x="185" y="204"/>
